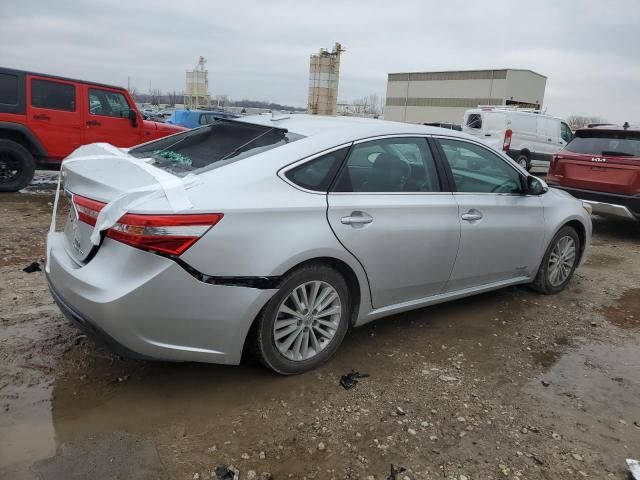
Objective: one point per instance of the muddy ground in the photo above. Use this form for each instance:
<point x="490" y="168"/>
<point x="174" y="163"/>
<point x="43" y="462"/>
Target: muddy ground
<point x="508" y="384"/>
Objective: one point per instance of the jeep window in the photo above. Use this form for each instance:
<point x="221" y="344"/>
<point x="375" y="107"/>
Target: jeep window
<point x="603" y="142"/>
<point x="474" y="120"/>
<point x="107" y="103"/>
<point x="211" y="146"/>
<point x="53" y="95"/>
<point x="8" y="89"/>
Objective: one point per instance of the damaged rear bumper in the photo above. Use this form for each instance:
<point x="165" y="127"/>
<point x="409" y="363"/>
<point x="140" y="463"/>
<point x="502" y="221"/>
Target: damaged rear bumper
<point x="147" y="306"/>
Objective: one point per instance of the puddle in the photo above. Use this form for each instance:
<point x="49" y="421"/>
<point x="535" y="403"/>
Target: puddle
<point x="592" y="393"/>
<point x="625" y="313"/>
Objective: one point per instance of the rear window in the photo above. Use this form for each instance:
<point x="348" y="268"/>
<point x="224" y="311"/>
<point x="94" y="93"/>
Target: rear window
<point x="217" y="144"/>
<point x="474" y="120"/>
<point x="624" y="144"/>
<point x="8" y="89"/>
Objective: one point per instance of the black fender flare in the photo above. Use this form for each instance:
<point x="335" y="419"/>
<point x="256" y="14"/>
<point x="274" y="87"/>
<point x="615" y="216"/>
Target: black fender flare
<point x="37" y="147"/>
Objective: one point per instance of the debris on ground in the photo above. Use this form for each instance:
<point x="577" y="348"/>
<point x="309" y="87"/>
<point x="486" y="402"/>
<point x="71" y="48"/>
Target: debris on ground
<point x="634" y="468"/>
<point x="227" y="473"/>
<point x="32" y="267"/>
<point x="350" y="380"/>
<point x="393" y="475"/>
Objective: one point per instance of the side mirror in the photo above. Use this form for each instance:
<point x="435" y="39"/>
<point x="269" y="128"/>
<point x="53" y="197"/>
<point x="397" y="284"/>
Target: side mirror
<point x="133" y="118"/>
<point x="536" y="186"/>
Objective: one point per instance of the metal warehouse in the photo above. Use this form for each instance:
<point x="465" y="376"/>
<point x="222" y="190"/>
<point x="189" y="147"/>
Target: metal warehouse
<point x="444" y="96"/>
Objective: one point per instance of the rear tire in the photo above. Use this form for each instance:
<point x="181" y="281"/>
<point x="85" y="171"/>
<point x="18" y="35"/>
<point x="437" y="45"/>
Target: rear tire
<point x="523" y="161"/>
<point x="559" y="262"/>
<point x="17" y="166"/>
<point x="280" y="315"/>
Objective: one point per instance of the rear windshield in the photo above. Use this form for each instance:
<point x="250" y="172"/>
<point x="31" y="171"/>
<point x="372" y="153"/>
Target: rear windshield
<point x="474" y="120"/>
<point x="623" y="144"/>
<point x="205" y="148"/>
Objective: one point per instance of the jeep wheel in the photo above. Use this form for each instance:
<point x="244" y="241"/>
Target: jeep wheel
<point x="16" y="166"/>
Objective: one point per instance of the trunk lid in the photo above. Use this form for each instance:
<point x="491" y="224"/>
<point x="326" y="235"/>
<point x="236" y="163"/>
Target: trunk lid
<point x="600" y="160"/>
<point x="99" y="173"/>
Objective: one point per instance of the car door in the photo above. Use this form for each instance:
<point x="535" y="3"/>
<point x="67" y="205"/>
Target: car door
<point x="502" y="230"/>
<point x="107" y="118"/>
<point x="53" y="114"/>
<point x="388" y="209"/>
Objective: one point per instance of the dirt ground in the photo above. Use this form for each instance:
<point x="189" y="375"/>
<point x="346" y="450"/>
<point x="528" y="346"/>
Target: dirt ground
<point x="505" y="385"/>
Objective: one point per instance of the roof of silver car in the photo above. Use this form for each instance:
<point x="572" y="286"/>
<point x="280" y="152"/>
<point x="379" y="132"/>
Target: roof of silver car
<point x="310" y="125"/>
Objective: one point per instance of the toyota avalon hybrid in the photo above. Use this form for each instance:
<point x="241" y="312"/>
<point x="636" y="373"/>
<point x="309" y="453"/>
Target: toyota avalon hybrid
<point x="277" y="234"/>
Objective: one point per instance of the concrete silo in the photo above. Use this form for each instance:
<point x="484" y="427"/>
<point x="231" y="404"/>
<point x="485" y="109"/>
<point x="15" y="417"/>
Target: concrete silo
<point x="324" y="73"/>
<point x="197" y="87"/>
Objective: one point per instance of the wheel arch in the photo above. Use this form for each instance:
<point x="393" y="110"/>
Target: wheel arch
<point x="22" y="135"/>
<point x="581" y="230"/>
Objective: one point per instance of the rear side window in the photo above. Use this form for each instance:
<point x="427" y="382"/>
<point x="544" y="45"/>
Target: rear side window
<point x="53" y="95"/>
<point x="608" y="143"/>
<point x="474" y="120"/>
<point x="217" y="144"/>
<point x="318" y="173"/>
<point x="8" y="89"/>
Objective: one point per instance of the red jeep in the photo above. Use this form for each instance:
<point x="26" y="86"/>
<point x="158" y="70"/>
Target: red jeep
<point x="44" y="118"/>
<point x="601" y="165"/>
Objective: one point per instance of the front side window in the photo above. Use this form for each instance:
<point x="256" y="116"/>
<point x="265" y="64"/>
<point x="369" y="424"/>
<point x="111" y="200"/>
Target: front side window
<point x="565" y="132"/>
<point x="389" y="165"/>
<point x="477" y="170"/>
<point x="318" y="173"/>
<point x="53" y="95"/>
<point x="107" y="103"/>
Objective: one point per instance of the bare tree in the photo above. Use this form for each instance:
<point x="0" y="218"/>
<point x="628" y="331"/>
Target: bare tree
<point x="174" y="97"/>
<point x="367" y="105"/>
<point x="156" y="96"/>
<point x="580" y="121"/>
<point x="133" y="90"/>
<point x="221" y="100"/>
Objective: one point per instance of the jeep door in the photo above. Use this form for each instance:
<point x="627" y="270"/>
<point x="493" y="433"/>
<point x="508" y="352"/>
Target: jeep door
<point x="53" y="114"/>
<point x="106" y="117"/>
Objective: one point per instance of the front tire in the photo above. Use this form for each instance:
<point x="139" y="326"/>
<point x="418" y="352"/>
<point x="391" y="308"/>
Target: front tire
<point x="559" y="262"/>
<point x="304" y="323"/>
<point x="523" y="161"/>
<point x="17" y="166"/>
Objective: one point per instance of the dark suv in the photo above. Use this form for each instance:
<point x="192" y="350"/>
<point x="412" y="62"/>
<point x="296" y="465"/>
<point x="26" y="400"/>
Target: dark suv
<point x="601" y="166"/>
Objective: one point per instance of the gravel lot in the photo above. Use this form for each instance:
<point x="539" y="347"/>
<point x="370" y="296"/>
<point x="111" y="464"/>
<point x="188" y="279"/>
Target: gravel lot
<point x="504" y="385"/>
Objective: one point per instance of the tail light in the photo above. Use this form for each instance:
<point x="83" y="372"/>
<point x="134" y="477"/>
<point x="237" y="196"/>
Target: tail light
<point x="507" y="140"/>
<point x="167" y="234"/>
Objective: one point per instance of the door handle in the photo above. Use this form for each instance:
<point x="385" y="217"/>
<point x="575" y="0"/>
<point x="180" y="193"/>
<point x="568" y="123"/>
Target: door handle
<point x="472" y="215"/>
<point x="41" y="117"/>
<point x="93" y="123"/>
<point x="357" y="219"/>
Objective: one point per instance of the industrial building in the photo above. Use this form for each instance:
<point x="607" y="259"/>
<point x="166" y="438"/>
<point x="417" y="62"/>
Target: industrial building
<point x="324" y="74"/>
<point x="423" y="97"/>
<point x="197" y="87"/>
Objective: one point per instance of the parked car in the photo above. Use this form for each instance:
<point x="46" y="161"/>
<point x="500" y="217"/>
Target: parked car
<point x="44" y="118"/>
<point x="601" y="165"/>
<point x="196" y="118"/>
<point x="529" y="137"/>
<point x="300" y="228"/>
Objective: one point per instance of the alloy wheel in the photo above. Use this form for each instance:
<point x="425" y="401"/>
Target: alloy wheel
<point x="307" y="320"/>
<point x="561" y="260"/>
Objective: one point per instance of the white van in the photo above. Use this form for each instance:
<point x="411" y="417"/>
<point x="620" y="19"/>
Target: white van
<point x="528" y="136"/>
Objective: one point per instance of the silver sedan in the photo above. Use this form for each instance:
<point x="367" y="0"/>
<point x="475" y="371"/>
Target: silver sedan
<point x="277" y="234"/>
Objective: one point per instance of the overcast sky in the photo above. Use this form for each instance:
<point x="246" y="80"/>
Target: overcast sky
<point x="259" y="49"/>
